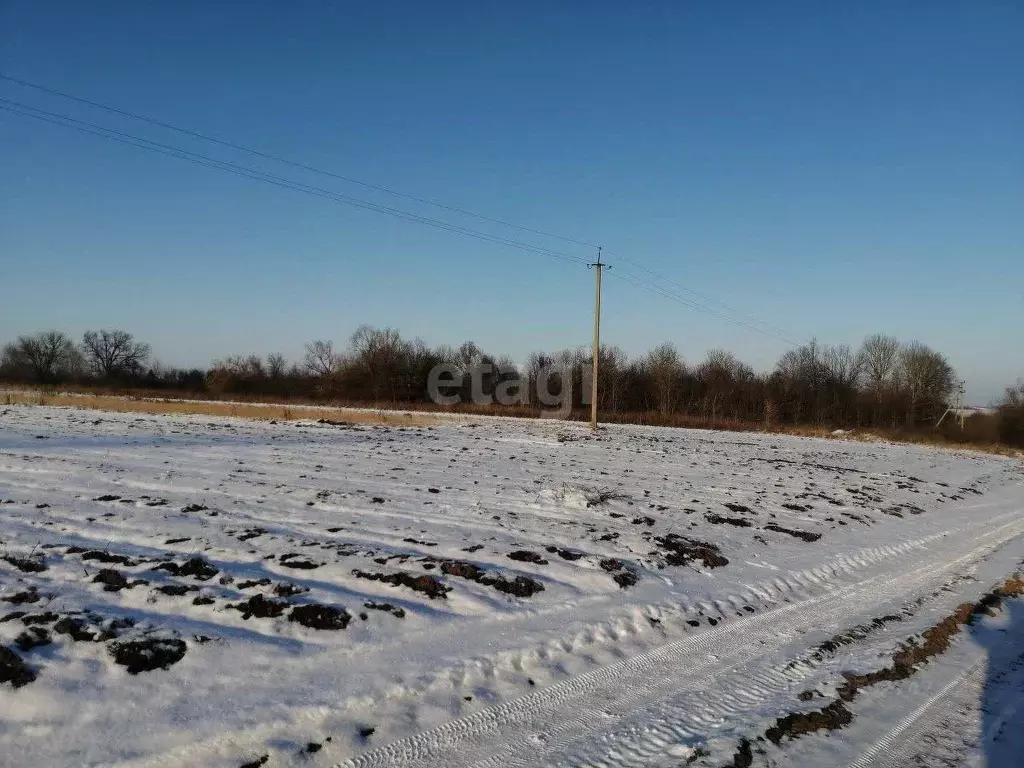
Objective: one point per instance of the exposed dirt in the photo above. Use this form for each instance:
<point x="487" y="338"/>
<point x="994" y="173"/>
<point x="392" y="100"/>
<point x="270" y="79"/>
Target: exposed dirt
<point x="47" y="617"/>
<point x="295" y="560"/>
<point x="26" y="564"/>
<point x="682" y="550"/>
<point x="32" y="637"/>
<point x="908" y="659"/>
<point x="260" y="607"/>
<point x="797" y="507"/>
<point x="805" y="535"/>
<point x="623" y="575"/>
<point x="734" y="507"/>
<point x="148" y="654"/>
<point x="716" y="519"/>
<point x="254" y="583"/>
<point x="431" y="586"/>
<point x="394" y="610"/>
<point x="195" y="567"/>
<point x="565" y="554"/>
<point x="596" y="498"/>
<point x="75" y="628"/>
<point x="287" y="589"/>
<point x="176" y="590"/>
<point x="114" y="581"/>
<point x="856" y="634"/>
<point x="520" y="586"/>
<point x="744" y="756"/>
<point x="105" y="557"/>
<point x="526" y="556"/>
<point x="31" y="595"/>
<point x="317" y="616"/>
<point x="13" y="670"/>
<point x="829" y="718"/>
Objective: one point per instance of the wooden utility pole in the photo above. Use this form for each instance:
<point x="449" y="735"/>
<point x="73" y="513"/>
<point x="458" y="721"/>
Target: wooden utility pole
<point x="597" y="336"/>
<point x="958" y="409"/>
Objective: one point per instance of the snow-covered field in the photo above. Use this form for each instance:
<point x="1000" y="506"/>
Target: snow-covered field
<point x="185" y="590"/>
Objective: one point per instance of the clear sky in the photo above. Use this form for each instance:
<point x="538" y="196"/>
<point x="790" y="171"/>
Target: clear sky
<point x="835" y="169"/>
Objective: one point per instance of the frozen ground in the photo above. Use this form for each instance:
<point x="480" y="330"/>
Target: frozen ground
<point x="186" y="591"/>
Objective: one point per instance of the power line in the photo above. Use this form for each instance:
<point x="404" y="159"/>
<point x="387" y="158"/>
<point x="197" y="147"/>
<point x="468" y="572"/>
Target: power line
<point x="698" y="294"/>
<point x="648" y="285"/>
<point x="200" y="159"/>
<point x="223" y="165"/>
<point x="294" y="164"/>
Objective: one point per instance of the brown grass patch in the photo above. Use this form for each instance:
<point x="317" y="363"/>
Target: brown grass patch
<point x="266" y="412"/>
<point x="396" y="414"/>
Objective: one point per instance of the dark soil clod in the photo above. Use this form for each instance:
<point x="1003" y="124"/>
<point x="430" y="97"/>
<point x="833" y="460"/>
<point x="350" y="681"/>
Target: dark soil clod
<point x="32" y="638"/>
<point x="738" y="507"/>
<point x="260" y="607"/>
<point x="805" y="535"/>
<point x="254" y="583"/>
<point x="31" y="595"/>
<point x="194" y="566"/>
<point x="294" y="560"/>
<point x="317" y="616"/>
<point x="394" y="610"/>
<point x="75" y="628"/>
<point x="148" y="654"/>
<point x="520" y="586"/>
<point x="111" y="580"/>
<point x="431" y="586"/>
<point x="48" y="617"/>
<point x="526" y="556"/>
<point x="285" y="589"/>
<point x="739" y="522"/>
<point x="829" y="718"/>
<point x="26" y="564"/>
<point x="106" y="557"/>
<point x="176" y="590"/>
<point x="682" y="550"/>
<point x="13" y="670"/>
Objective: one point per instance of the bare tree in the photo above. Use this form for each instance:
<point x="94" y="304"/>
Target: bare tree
<point x="46" y="357"/>
<point x="380" y="353"/>
<point x="610" y="364"/>
<point x="878" y="356"/>
<point x="665" y="368"/>
<point x="113" y="353"/>
<point x="844" y="367"/>
<point x="1011" y="416"/>
<point x="276" y="365"/>
<point x="720" y="373"/>
<point x="927" y="379"/>
<point x="321" y="360"/>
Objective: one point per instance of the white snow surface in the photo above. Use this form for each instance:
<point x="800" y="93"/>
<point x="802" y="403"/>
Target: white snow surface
<point x="820" y="536"/>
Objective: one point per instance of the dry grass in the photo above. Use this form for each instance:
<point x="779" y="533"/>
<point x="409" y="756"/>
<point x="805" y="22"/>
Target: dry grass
<point x="215" y="408"/>
<point x="425" y="414"/>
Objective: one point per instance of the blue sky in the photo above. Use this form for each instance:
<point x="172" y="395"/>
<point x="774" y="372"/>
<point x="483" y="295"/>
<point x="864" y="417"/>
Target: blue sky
<point x="834" y="169"/>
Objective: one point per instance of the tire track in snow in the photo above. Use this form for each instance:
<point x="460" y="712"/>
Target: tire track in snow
<point x="518" y="732"/>
<point x="953" y="713"/>
<point x="882" y="754"/>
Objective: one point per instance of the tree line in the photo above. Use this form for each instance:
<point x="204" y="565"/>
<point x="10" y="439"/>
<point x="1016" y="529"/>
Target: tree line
<point x="884" y="383"/>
